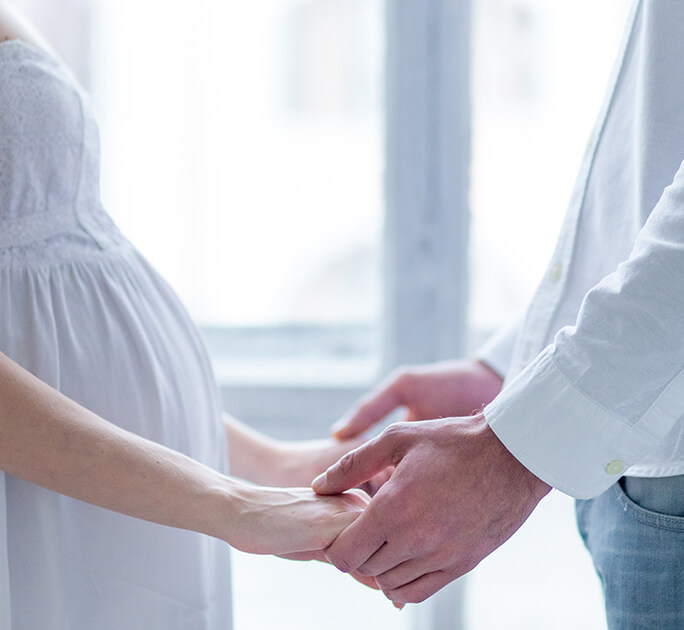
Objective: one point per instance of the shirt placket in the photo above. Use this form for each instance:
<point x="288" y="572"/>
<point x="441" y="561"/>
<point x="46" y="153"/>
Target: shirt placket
<point x="536" y="332"/>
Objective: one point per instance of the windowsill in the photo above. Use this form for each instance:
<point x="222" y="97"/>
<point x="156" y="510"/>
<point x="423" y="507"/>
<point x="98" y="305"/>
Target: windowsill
<point x="311" y="356"/>
<point x="312" y="372"/>
<point x="301" y="356"/>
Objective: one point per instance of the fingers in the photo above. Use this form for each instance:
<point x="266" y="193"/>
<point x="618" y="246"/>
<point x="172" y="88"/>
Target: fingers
<point x="358" y="542"/>
<point x="371" y="409"/>
<point x="372" y="486"/>
<point x="361" y="464"/>
<point x="419" y="590"/>
<point x="356" y="497"/>
<point x="388" y="560"/>
<point x="365" y="580"/>
<point x="316" y="554"/>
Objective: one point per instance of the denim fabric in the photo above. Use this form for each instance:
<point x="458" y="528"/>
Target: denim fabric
<point x="635" y="534"/>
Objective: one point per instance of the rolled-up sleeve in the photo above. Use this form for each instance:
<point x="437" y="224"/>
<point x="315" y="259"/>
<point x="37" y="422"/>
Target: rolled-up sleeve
<point x="609" y="389"/>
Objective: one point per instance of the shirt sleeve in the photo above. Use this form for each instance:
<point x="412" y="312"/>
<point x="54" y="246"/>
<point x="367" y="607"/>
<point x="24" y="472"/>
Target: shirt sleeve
<point x="497" y="351"/>
<point x="610" y="388"/>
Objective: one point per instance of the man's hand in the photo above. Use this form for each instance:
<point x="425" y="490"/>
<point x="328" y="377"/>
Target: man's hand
<point x="437" y="390"/>
<point x="455" y="495"/>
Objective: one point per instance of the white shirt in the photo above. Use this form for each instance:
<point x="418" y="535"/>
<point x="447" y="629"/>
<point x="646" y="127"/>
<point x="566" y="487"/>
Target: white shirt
<point x="595" y="374"/>
<point x="83" y="311"/>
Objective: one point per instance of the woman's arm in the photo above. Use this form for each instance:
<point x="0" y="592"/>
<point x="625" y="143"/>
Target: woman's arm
<point x="264" y="460"/>
<point x="49" y="440"/>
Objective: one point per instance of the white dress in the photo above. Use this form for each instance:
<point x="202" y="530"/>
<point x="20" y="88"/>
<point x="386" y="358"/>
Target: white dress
<point x="83" y="311"/>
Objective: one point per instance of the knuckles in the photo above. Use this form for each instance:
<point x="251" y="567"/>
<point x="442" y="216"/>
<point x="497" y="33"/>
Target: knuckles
<point x="403" y="378"/>
<point x="389" y="582"/>
<point x="396" y="433"/>
<point x="409" y="594"/>
<point x="417" y="596"/>
<point x="337" y="561"/>
<point x="346" y="464"/>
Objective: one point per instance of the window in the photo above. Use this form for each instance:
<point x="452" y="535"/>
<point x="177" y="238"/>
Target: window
<point x="540" y="70"/>
<point x="271" y="180"/>
<point x="540" y="75"/>
<point x="245" y="154"/>
<point x="299" y="171"/>
<point x="257" y="187"/>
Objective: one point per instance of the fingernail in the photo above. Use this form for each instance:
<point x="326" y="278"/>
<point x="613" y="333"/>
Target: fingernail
<point x="338" y="427"/>
<point x="398" y="606"/>
<point x="319" y="482"/>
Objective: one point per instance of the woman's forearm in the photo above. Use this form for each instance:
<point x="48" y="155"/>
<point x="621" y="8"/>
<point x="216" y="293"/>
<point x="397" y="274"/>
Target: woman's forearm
<point x="261" y="459"/>
<point x="49" y="440"/>
<point x="251" y="455"/>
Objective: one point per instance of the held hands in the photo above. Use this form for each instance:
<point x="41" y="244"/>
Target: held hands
<point x="455" y="495"/>
<point x="437" y="390"/>
<point x="262" y="460"/>
<point x="292" y="522"/>
<point x="297" y="463"/>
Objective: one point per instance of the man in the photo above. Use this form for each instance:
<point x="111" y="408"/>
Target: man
<point x="594" y="381"/>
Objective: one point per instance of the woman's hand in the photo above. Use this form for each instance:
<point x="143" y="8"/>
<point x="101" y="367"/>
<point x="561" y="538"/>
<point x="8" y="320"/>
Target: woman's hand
<point x="292" y="522"/>
<point x="268" y="462"/>
<point x="299" y="463"/>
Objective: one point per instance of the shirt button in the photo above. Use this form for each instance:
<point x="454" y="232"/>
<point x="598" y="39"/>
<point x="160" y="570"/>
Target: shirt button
<point x="556" y="272"/>
<point x="592" y="140"/>
<point x="615" y="467"/>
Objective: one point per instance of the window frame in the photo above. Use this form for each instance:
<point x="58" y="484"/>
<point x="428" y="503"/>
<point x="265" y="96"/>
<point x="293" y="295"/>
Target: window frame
<point x="425" y="240"/>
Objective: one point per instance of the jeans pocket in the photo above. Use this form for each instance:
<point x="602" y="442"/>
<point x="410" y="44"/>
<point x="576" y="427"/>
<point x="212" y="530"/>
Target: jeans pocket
<point x="653" y="502"/>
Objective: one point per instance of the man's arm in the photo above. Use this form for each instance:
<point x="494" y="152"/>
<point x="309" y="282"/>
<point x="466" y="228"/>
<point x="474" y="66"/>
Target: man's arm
<point x="593" y="403"/>
<point x="455" y="495"/>
<point x="609" y="389"/>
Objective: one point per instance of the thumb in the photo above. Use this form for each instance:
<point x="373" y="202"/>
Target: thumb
<point x="361" y="464"/>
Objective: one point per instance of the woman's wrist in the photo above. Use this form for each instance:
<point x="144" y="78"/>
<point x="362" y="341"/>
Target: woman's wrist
<point x="219" y="508"/>
<point x="281" y="521"/>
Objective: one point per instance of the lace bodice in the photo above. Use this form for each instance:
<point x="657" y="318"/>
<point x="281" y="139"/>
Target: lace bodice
<point x="49" y="153"/>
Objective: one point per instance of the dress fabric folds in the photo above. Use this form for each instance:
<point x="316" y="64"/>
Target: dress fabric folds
<point x="82" y="310"/>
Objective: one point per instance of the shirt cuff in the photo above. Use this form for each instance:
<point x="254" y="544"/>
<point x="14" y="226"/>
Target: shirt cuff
<point x="560" y="435"/>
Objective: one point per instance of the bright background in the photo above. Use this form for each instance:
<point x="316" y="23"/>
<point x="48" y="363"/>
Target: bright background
<point x="243" y="153"/>
<point x="243" y="144"/>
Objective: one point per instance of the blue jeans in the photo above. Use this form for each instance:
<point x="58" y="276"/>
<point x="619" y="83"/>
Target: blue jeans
<point x="635" y="534"/>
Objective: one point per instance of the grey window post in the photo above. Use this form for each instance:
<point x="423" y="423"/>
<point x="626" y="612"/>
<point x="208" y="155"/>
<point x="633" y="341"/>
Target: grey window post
<point x="427" y="217"/>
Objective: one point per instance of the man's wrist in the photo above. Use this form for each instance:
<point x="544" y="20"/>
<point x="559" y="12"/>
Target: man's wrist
<point x="537" y="488"/>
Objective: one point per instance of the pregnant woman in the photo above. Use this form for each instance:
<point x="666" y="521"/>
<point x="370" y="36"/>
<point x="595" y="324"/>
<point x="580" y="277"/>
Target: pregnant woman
<point x="84" y="318"/>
